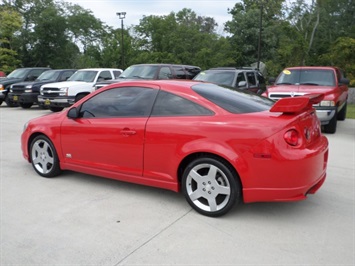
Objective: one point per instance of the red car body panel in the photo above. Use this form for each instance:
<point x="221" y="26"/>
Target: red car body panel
<point x="150" y="150"/>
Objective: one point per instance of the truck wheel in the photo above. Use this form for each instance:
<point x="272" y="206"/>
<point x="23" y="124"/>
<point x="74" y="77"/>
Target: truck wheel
<point x="332" y="126"/>
<point x="26" y="105"/>
<point x="9" y="102"/>
<point x="56" y="109"/>
<point x="0" y="102"/>
<point x="342" y="113"/>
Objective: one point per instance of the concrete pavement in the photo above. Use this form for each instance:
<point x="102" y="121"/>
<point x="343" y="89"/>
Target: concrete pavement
<point x="78" y="219"/>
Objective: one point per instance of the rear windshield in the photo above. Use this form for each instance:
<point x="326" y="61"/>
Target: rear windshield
<point x="234" y="101"/>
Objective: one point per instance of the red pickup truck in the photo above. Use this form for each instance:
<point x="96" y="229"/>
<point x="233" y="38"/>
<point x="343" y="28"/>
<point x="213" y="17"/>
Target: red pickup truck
<point x="330" y="81"/>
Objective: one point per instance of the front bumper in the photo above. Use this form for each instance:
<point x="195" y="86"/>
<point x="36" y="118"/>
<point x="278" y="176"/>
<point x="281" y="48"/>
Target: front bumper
<point x="325" y="113"/>
<point x="56" y="101"/>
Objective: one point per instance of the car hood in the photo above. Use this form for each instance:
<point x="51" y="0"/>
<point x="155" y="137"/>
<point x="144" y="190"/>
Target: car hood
<point x="302" y="89"/>
<point x="67" y="84"/>
<point x="6" y="81"/>
<point x="35" y="83"/>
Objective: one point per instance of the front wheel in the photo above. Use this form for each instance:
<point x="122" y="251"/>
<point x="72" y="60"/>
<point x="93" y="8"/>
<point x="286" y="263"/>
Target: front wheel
<point x="332" y="126"/>
<point x="210" y="186"/>
<point x="44" y="157"/>
<point x="342" y="113"/>
<point x="56" y="109"/>
<point x="26" y="105"/>
<point x="9" y="102"/>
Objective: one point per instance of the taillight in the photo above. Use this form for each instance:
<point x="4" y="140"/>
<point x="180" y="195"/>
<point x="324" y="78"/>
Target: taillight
<point x="292" y="137"/>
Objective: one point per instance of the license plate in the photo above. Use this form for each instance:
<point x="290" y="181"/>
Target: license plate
<point x="47" y="102"/>
<point x="15" y="98"/>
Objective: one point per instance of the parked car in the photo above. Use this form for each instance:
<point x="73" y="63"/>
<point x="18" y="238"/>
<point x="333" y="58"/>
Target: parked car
<point x="241" y="78"/>
<point x="18" y="75"/>
<point x="2" y="75"/>
<point x="216" y="145"/>
<point x="154" y="71"/>
<point x="57" y="96"/>
<point x="25" y="93"/>
<point x="302" y="80"/>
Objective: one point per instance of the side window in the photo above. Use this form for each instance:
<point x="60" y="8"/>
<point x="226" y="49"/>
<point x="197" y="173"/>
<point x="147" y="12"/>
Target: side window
<point x="116" y="73"/>
<point x="104" y="75"/>
<point x="261" y="79"/>
<point x="120" y="102"/>
<point x="251" y="78"/>
<point x="240" y="78"/>
<point x="168" y="104"/>
<point x="66" y="75"/>
<point x="35" y="74"/>
<point x="165" y="73"/>
<point x="179" y="72"/>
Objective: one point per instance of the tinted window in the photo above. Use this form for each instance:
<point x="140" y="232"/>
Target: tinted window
<point x="120" y="102"/>
<point x="36" y="73"/>
<point x="179" y="72"/>
<point x="234" y="101"/>
<point x="165" y="73"/>
<point x="105" y="75"/>
<point x="66" y="75"/>
<point x="240" y="78"/>
<point x="116" y="73"/>
<point x="251" y="78"/>
<point x="168" y="104"/>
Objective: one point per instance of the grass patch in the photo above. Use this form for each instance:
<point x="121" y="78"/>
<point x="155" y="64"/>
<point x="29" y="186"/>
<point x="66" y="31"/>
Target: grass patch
<point x="350" y="112"/>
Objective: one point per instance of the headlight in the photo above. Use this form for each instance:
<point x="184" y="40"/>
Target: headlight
<point x="30" y="90"/>
<point x="63" y="91"/>
<point x="1" y="87"/>
<point x="28" y="87"/>
<point x="327" y="103"/>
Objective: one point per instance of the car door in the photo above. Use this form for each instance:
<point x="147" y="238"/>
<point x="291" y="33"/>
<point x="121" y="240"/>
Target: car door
<point x="109" y="133"/>
<point x="252" y="82"/>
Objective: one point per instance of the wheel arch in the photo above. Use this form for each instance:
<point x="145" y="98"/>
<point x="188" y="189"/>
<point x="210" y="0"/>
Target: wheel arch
<point x="30" y="140"/>
<point x="193" y="156"/>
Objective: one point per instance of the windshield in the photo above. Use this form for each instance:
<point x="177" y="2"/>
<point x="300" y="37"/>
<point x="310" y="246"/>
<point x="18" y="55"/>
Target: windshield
<point x="84" y="75"/>
<point x="140" y="72"/>
<point x="218" y="77"/>
<point x="18" y="73"/>
<point x="48" y="75"/>
<point x="316" y="77"/>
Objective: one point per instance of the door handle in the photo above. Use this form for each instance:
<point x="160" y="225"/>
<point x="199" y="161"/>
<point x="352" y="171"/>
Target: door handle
<point x="128" y="132"/>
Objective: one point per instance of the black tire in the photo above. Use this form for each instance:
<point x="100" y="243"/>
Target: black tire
<point x="26" y="105"/>
<point x="342" y="113"/>
<point x="10" y="103"/>
<point x="1" y="102"/>
<point x="79" y="97"/>
<point x="332" y="126"/>
<point x="56" y="109"/>
<point x="210" y="186"/>
<point x="44" y="157"/>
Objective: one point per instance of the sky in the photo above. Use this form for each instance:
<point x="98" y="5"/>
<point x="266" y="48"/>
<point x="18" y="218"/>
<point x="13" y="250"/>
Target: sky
<point x="106" y="10"/>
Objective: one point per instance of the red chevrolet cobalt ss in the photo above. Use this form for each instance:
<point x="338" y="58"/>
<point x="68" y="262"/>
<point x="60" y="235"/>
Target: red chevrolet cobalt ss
<point x="217" y="145"/>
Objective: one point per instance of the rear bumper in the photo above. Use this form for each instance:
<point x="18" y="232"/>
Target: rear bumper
<point x="291" y="178"/>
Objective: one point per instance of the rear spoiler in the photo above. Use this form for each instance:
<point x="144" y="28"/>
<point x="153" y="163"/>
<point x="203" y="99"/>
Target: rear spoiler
<point x="296" y="104"/>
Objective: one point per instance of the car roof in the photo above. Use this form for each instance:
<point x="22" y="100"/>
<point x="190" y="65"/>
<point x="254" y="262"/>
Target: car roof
<point x="164" y="64"/>
<point x="98" y="69"/>
<point x="313" y="67"/>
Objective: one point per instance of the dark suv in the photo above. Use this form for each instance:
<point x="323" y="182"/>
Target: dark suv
<point x="18" y="75"/>
<point x="154" y="71"/>
<point x="26" y="93"/>
<point x="241" y="78"/>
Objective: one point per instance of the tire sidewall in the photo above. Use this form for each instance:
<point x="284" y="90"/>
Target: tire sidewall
<point x="231" y="175"/>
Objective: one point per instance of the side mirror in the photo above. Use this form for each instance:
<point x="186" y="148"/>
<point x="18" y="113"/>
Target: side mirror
<point x="344" y="81"/>
<point x="272" y="80"/>
<point x="73" y="113"/>
<point x="242" y="84"/>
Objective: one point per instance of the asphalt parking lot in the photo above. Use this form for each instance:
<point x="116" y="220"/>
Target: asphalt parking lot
<point x="78" y="219"/>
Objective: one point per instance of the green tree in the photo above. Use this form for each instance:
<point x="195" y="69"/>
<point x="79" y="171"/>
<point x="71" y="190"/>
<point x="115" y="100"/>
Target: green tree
<point x="10" y="24"/>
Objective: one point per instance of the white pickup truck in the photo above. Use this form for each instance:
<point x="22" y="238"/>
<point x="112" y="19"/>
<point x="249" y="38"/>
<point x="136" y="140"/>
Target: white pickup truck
<point x="59" y="95"/>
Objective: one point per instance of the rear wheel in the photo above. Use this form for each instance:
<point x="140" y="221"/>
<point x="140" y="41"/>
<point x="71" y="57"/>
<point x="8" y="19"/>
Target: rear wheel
<point x="26" y="105"/>
<point x="44" y="157"/>
<point x="210" y="186"/>
<point x="342" y="113"/>
<point x="56" y="109"/>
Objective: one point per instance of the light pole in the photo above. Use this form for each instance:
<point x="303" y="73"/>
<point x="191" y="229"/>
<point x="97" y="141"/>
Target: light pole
<point x="121" y="16"/>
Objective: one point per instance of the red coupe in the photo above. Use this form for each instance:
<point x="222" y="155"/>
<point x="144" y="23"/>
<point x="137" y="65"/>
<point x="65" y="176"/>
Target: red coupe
<point x="216" y="145"/>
